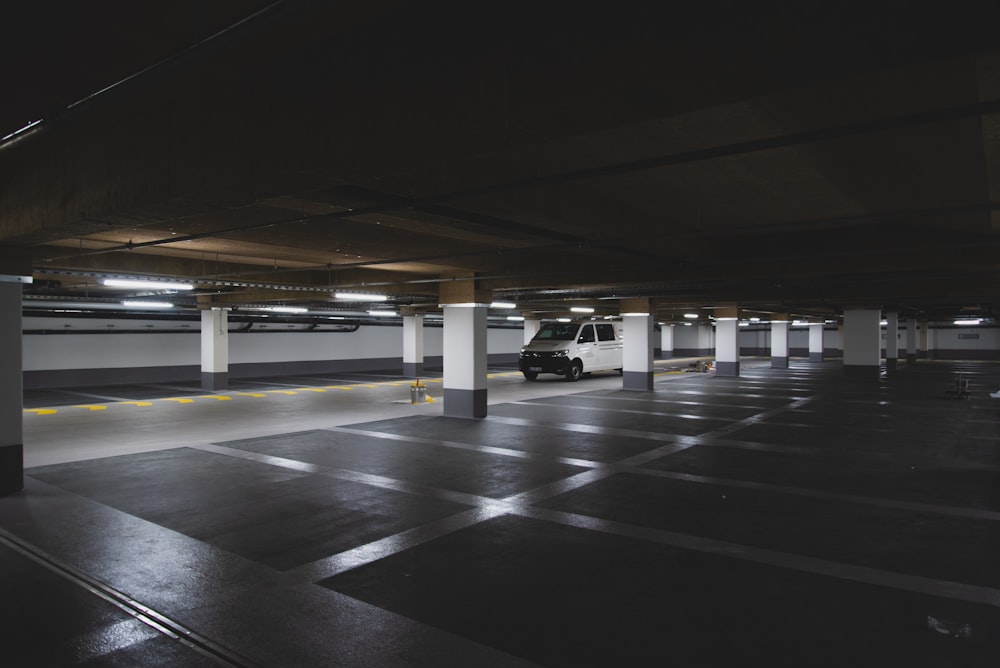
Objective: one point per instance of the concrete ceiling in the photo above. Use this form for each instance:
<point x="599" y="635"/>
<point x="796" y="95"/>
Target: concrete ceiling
<point x="703" y="155"/>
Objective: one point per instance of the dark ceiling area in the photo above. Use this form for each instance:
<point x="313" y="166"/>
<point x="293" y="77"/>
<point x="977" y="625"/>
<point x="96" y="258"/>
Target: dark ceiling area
<point x="702" y="154"/>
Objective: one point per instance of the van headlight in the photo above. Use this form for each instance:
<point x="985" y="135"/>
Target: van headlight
<point x="560" y="353"/>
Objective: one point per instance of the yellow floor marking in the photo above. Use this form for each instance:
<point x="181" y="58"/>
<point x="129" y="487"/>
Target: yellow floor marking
<point x="366" y="385"/>
<point x="250" y="394"/>
<point x="41" y="411"/>
<point x="92" y="407"/>
<point x="282" y="392"/>
<point x="220" y="397"/>
<point x="137" y="403"/>
<point x="311" y="389"/>
<point x="180" y="400"/>
<point x="392" y="384"/>
<point x="339" y="387"/>
<point x="432" y="380"/>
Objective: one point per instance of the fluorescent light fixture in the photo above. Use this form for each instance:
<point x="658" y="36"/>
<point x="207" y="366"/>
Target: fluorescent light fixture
<point x="799" y="323"/>
<point x="754" y="319"/>
<point x="149" y="285"/>
<point x="744" y="324"/>
<point x="691" y="316"/>
<point x="285" y="309"/>
<point x="564" y="320"/>
<point x="581" y="309"/>
<point x="884" y="323"/>
<point x="724" y="319"/>
<point x="360" y="297"/>
<point x="636" y="313"/>
<point x="141" y="304"/>
<point x="687" y="324"/>
<point x="968" y="321"/>
<point x="503" y="305"/>
<point x="516" y="318"/>
<point x="387" y="314"/>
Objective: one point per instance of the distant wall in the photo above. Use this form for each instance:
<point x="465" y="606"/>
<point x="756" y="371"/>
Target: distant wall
<point x="133" y="353"/>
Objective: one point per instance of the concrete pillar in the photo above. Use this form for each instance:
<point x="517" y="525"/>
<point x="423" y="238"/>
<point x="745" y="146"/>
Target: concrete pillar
<point x="727" y="342"/>
<point x="666" y="341"/>
<point x="531" y="327"/>
<point x="911" y="340"/>
<point x="214" y="349"/>
<point x="815" y="342"/>
<point x="637" y="356"/>
<point x="924" y="348"/>
<point x="891" y="340"/>
<point x="779" y="341"/>
<point x="11" y="391"/>
<point x="465" y="360"/>
<point x="840" y="338"/>
<point x="413" y="345"/>
<point x="862" y="343"/>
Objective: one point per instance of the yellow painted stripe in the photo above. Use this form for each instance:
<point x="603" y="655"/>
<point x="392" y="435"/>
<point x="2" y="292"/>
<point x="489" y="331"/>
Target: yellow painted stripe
<point x="93" y="407"/>
<point x="366" y="385"/>
<point x="282" y="392"/>
<point x="250" y="394"/>
<point x="339" y="387"/>
<point x="137" y="403"/>
<point x="41" y="411"/>
<point x="312" y="389"/>
<point x="220" y="397"/>
<point x="180" y="400"/>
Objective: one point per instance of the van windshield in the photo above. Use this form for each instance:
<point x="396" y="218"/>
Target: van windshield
<point x="557" y="331"/>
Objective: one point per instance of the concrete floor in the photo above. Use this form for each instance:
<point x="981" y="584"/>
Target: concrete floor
<point x="782" y="518"/>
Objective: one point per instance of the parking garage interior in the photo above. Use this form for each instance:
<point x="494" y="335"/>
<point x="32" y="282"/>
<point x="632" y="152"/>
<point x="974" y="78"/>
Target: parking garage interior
<point x="236" y="237"/>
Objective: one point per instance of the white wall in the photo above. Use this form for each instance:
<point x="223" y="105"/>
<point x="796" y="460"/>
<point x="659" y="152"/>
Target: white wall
<point x="91" y="351"/>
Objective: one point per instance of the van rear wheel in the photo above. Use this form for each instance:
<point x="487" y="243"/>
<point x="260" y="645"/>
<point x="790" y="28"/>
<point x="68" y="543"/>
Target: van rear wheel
<point x="574" y="371"/>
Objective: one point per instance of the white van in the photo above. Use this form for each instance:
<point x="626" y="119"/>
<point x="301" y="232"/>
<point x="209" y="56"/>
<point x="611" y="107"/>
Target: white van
<point x="572" y="349"/>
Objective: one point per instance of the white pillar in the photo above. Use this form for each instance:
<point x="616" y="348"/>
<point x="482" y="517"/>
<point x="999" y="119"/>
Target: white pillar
<point x="911" y="340"/>
<point x="815" y="342"/>
<point x="727" y="346"/>
<point x="531" y="327"/>
<point x="779" y="344"/>
<point x="862" y="343"/>
<point x="924" y="347"/>
<point x="11" y="391"/>
<point x="666" y="341"/>
<point x="637" y="355"/>
<point x="891" y="340"/>
<point x="840" y="338"/>
<point x="214" y="349"/>
<point x="413" y="345"/>
<point x="465" y="360"/>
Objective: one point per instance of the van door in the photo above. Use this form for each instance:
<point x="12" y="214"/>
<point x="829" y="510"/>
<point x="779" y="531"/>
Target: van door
<point x="609" y="347"/>
<point x="586" y="347"/>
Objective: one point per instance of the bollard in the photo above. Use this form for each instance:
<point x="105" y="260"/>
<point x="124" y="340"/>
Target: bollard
<point x="418" y="393"/>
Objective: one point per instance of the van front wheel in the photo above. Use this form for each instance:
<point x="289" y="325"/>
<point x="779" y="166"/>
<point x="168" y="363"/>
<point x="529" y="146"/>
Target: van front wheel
<point x="574" y="371"/>
<point x="530" y="375"/>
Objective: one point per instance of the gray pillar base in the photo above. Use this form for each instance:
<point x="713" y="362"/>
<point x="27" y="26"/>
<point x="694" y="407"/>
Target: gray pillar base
<point x="815" y="357"/>
<point x="641" y="381"/>
<point x="214" y="381"/>
<point x="11" y="469"/>
<point x="911" y="358"/>
<point x="464" y="403"/>
<point x="666" y="354"/>
<point x="727" y="369"/>
<point x="861" y="372"/>
<point x="413" y="369"/>
<point x="890" y="364"/>
<point x="779" y="362"/>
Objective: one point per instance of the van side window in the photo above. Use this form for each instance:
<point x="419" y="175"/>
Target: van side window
<point x="586" y="334"/>
<point x="605" y="332"/>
